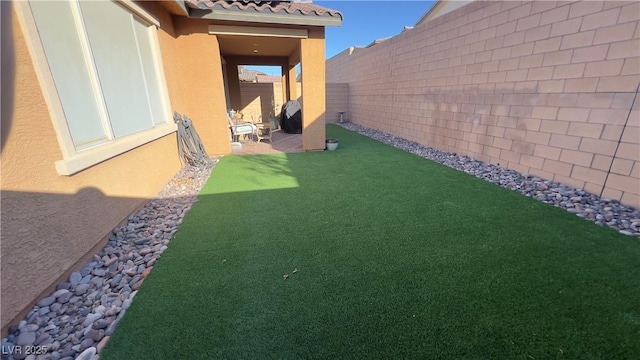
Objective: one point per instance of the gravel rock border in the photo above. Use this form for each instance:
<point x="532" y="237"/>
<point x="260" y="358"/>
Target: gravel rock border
<point x="603" y="212"/>
<point x="77" y="319"/>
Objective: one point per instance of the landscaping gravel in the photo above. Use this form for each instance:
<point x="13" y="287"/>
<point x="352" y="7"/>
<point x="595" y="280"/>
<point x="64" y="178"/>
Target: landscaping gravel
<point x="77" y="319"/>
<point x="603" y="212"/>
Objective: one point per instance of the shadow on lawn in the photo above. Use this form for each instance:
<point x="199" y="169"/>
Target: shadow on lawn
<point x="267" y="165"/>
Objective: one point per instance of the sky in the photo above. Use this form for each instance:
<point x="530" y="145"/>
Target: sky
<point x="363" y="22"/>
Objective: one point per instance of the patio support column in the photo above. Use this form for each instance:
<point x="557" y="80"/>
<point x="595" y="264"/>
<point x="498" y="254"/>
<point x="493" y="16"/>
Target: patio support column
<point x="289" y="91"/>
<point x="312" y="60"/>
<point x="292" y="83"/>
<point x="234" y="85"/>
<point x="285" y="84"/>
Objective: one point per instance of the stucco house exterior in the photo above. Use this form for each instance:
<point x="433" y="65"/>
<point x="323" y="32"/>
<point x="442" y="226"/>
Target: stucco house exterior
<point x="88" y="91"/>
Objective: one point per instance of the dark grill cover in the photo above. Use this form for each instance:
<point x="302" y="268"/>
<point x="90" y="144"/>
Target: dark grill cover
<point x="291" y="117"/>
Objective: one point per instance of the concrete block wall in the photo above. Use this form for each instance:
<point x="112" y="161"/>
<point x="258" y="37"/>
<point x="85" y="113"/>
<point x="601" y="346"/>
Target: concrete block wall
<point x="337" y="101"/>
<point x="541" y="87"/>
<point x="263" y="99"/>
<point x="259" y="100"/>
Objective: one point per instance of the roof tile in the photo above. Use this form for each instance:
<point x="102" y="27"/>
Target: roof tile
<point x="299" y="8"/>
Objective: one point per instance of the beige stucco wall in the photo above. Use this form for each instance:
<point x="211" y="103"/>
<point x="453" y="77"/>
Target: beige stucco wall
<point x="50" y="221"/>
<point x="196" y="85"/>
<point x="540" y="87"/>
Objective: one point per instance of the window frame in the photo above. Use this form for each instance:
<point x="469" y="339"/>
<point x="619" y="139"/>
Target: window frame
<point x="75" y="160"/>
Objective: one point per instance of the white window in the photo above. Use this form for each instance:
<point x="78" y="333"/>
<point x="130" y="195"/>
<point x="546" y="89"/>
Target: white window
<point x="107" y="75"/>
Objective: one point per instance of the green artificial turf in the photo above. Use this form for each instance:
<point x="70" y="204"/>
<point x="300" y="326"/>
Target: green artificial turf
<point x="398" y="257"/>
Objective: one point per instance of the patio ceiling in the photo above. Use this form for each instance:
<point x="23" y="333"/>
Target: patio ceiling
<point x="237" y="45"/>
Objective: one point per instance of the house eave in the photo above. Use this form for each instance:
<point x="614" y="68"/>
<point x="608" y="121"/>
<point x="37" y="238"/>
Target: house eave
<point x="182" y="6"/>
<point x="264" y="18"/>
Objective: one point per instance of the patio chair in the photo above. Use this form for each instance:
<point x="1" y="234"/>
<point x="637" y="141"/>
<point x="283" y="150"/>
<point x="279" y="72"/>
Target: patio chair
<point x="238" y="129"/>
<point x="263" y="129"/>
<point x="263" y="132"/>
<point x="275" y="124"/>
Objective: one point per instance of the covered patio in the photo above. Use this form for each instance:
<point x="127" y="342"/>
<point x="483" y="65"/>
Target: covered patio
<point x="278" y="33"/>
